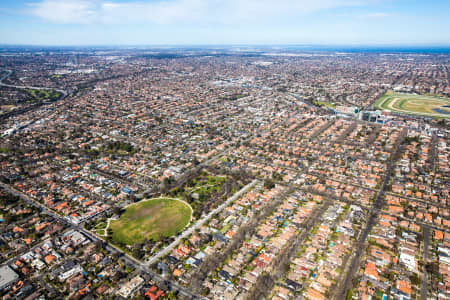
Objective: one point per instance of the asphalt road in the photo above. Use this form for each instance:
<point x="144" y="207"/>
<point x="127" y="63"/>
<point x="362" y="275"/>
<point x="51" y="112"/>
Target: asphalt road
<point x="423" y="278"/>
<point x="199" y="223"/>
<point x="129" y="259"/>
<point x="64" y="93"/>
<point x="378" y="204"/>
<point x="279" y="270"/>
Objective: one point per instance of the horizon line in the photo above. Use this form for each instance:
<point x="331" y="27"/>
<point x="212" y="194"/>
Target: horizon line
<point x="346" y="45"/>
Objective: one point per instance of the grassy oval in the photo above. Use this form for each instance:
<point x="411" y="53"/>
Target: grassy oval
<point x="151" y="219"/>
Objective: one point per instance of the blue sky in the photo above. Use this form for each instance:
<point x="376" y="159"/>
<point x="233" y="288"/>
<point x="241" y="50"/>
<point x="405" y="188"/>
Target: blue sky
<point x="162" y="22"/>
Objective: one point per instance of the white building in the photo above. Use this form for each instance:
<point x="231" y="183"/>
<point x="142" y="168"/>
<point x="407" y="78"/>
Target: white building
<point x="127" y="289"/>
<point x="408" y="260"/>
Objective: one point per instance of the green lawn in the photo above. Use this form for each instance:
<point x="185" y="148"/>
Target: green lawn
<point x="203" y="186"/>
<point x="324" y="104"/>
<point x="425" y="105"/>
<point x="43" y="94"/>
<point x="150" y="219"/>
<point x="100" y="232"/>
<point x="378" y="103"/>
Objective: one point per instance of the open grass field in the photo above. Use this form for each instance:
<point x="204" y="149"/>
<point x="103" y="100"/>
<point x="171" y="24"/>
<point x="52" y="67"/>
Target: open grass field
<point x="151" y="219"/>
<point x="424" y="105"/>
<point x="324" y="104"/>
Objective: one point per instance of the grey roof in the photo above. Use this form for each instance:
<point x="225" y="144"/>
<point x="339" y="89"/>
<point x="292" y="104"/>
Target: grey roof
<point x="7" y="276"/>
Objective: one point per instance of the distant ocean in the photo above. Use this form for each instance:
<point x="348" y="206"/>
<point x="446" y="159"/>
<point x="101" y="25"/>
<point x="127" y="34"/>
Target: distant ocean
<point x="249" y="49"/>
<point x="373" y="49"/>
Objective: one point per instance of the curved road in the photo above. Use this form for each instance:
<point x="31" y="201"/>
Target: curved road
<point x="9" y="72"/>
<point x="128" y="258"/>
<point x="199" y="223"/>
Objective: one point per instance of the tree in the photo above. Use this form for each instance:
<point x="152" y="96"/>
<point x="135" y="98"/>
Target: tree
<point x="415" y="279"/>
<point x="117" y="210"/>
<point x="269" y="184"/>
<point x="137" y="250"/>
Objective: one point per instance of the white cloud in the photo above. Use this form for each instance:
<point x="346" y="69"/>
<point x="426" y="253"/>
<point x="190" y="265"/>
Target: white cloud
<point x="67" y="11"/>
<point x="178" y="11"/>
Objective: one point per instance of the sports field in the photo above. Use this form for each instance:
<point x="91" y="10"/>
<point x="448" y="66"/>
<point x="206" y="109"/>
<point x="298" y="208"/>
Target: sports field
<point x="151" y="219"/>
<point x="424" y="105"/>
